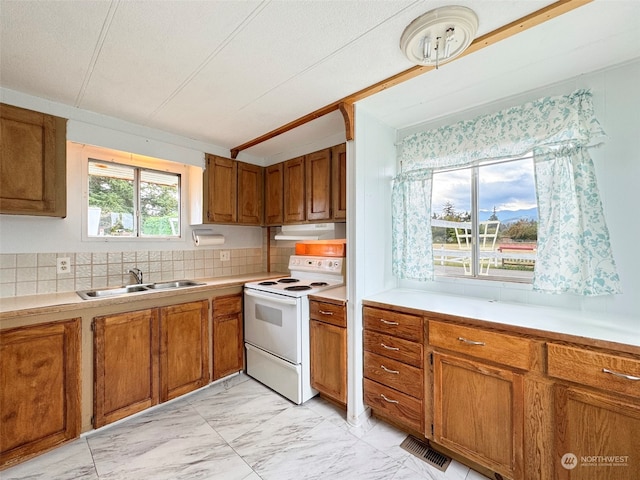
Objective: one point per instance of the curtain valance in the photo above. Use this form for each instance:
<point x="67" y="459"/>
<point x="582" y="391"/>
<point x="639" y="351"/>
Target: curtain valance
<point x="515" y="131"/>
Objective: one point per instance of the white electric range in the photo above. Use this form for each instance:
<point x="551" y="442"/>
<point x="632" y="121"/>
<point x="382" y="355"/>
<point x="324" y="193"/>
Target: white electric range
<point x="276" y="324"/>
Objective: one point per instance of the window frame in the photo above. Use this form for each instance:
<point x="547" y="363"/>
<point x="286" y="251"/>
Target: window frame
<point x="475" y="225"/>
<point x="139" y="163"/>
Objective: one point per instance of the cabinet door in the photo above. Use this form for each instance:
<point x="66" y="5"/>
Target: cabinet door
<point x="339" y="181"/>
<point x="478" y="412"/>
<point x="184" y="348"/>
<point x="329" y="360"/>
<point x="39" y="388"/>
<point x="273" y="194"/>
<point x="32" y="163"/>
<point x="228" y="352"/>
<point x="318" y="185"/>
<point x="126" y="356"/>
<point x="596" y="436"/>
<point x="294" y="197"/>
<point x="250" y="194"/>
<point x="221" y="189"/>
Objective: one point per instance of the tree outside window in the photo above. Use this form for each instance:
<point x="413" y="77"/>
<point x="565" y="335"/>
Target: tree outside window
<point x="128" y="201"/>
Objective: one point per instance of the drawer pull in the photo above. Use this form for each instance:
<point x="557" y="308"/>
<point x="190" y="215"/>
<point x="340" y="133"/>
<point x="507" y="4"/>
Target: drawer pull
<point x="621" y="375"/>
<point x="325" y="313"/>
<point x="388" y="400"/>
<point x="389" y="348"/>
<point x="470" y="342"/>
<point x="387" y="322"/>
<point x="396" y="372"/>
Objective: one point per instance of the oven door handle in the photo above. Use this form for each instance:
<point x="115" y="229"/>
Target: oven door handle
<point x="281" y="300"/>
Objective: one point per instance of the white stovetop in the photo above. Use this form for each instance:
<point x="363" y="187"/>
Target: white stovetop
<point x="616" y="328"/>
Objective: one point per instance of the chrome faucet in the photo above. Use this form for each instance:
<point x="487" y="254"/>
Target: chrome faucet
<point x="137" y="274"/>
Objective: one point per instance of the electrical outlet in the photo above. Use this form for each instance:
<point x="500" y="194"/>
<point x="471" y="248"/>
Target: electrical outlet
<point x="225" y="255"/>
<point x="63" y="265"/>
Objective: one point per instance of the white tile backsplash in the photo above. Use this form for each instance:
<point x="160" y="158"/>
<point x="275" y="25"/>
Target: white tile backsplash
<point x="31" y="274"/>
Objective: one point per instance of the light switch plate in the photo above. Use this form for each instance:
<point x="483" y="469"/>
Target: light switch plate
<point x="225" y="255"/>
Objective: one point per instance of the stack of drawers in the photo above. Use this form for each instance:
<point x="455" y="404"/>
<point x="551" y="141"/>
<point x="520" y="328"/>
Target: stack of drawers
<point x="393" y="366"/>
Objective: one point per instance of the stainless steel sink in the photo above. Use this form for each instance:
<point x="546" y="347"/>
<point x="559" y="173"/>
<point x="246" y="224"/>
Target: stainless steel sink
<point x="173" y="284"/>
<point x="111" y="292"/>
<point x="148" y="287"/>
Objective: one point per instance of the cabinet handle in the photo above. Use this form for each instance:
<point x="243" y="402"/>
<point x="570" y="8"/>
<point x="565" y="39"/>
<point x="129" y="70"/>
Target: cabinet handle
<point x="325" y="313"/>
<point x="388" y="400"/>
<point x="387" y="322"/>
<point x="389" y="348"/>
<point x="396" y="372"/>
<point x="621" y="375"/>
<point x="470" y="342"/>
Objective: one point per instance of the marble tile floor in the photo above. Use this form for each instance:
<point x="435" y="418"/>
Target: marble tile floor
<point x="237" y="429"/>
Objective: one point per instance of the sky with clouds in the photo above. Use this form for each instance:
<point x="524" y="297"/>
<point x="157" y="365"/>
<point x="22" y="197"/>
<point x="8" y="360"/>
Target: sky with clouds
<point x="505" y="186"/>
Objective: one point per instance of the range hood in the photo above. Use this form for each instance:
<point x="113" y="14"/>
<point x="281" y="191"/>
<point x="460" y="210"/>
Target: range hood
<point x="310" y="231"/>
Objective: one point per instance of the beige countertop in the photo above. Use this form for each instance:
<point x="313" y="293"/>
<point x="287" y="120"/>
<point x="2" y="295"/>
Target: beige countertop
<point x="337" y="293"/>
<point x="68" y="301"/>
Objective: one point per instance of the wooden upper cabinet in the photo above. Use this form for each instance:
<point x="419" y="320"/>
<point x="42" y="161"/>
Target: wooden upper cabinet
<point x="318" y="185"/>
<point x="339" y="181"/>
<point x="39" y="389"/>
<point x="233" y="191"/>
<point x="250" y="193"/>
<point x="221" y="189"/>
<point x="294" y="196"/>
<point x="273" y="194"/>
<point x="32" y="163"/>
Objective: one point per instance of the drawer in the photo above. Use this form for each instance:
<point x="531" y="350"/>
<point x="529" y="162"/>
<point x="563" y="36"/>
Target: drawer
<point x="496" y="347"/>
<point x="393" y="347"/>
<point x="390" y="403"/>
<point x="227" y="305"/>
<point x="397" y="324"/>
<point x="328" y="313"/>
<point x="394" y="374"/>
<point x="588" y="368"/>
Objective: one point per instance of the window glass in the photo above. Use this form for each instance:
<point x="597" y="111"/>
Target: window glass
<point x="501" y="198"/>
<point x="159" y="204"/>
<point x="128" y="201"/>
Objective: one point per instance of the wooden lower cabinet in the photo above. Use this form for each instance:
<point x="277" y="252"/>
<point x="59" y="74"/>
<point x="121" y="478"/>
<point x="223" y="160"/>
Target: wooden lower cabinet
<point x="126" y="364"/>
<point x="393" y="367"/>
<point x="184" y="348"/>
<point x="146" y="357"/>
<point x="597" y="413"/>
<point x="328" y="344"/>
<point x="39" y="389"/>
<point x="228" y="337"/>
<point x="478" y="412"/>
<point x="596" y="435"/>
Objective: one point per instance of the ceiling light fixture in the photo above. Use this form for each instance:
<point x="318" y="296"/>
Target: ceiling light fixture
<point x="439" y="35"/>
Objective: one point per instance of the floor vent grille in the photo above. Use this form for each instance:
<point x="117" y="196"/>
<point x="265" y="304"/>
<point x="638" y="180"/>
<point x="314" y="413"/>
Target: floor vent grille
<point x="424" y="452"/>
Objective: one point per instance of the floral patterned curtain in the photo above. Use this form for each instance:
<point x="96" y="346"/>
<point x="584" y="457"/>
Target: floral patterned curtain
<point x="550" y="127"/>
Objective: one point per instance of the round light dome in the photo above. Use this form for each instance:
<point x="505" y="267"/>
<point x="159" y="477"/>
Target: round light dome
<point x="439" y="35"/>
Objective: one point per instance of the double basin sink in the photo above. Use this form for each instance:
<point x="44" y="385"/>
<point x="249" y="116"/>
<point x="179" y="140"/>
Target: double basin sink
<point x="127" y="289"/>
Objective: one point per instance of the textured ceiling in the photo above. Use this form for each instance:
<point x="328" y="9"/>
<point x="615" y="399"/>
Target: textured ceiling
<point x="225" y="72"/>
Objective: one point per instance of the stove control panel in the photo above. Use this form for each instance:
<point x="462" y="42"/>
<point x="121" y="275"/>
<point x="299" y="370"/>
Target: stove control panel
<point x="316" y="264"/>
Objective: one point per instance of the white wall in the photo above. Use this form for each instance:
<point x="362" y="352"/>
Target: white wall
<point x="617" y="107"/>
<point x="371" y="167"/>
<point x="26" y="234"/>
